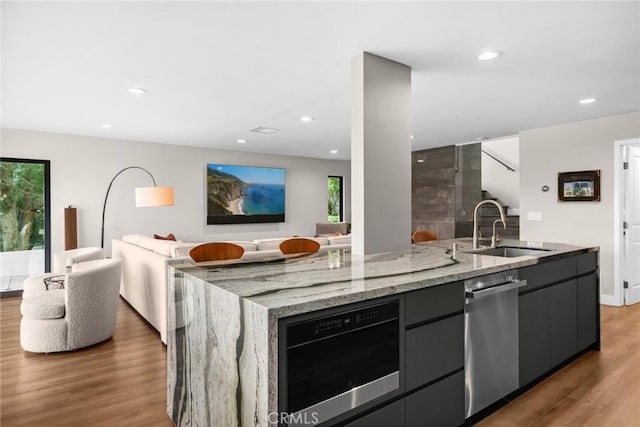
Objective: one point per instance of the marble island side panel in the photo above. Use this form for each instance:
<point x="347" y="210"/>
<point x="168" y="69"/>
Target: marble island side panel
<point x="219" y="356"/>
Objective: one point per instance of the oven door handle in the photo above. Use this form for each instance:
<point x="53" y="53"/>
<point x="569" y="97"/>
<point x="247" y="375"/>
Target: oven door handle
<point x="481" y="293"/>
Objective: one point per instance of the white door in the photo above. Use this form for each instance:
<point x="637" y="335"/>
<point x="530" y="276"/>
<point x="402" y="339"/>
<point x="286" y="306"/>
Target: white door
<point x="631" y="269"/>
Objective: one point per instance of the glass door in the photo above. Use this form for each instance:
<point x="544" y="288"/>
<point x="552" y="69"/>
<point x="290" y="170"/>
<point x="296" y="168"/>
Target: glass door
<point x="25" y="243"/>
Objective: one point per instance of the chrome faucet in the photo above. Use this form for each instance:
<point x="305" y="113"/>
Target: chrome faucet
<point x="494" y="236"/>
<point x="502" y="219"/>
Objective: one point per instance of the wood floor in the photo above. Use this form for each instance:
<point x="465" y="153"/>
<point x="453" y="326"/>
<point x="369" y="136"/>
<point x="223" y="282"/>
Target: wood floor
<point x="601" y="389"/>
<point x="122" y="382"/>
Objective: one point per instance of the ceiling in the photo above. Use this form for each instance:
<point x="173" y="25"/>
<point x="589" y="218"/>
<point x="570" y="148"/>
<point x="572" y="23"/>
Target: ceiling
<point x="215" y="70"/>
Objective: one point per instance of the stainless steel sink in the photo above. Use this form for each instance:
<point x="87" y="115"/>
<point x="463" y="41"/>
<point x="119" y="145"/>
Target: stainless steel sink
<point x="510" y="251"/>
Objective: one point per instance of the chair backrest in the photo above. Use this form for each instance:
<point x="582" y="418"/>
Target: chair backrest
<point x="299" y="245"/>
<point x="216" y="251"/>
<point x="92" y="292"/>
<point x="423" y="236"/>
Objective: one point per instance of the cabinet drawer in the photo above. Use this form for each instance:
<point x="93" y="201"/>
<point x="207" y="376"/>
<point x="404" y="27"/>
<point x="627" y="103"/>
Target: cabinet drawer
<point x="543" y="274"/>
<point x="431" y="303"/>
<point x="439" y="405"/>
<point x="587" y="263"/>
<point x="391" y="415"/>
<point x="434" y="350"/>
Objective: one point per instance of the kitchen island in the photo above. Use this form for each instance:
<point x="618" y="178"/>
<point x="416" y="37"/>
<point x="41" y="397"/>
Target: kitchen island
<point x="226" y="323"/>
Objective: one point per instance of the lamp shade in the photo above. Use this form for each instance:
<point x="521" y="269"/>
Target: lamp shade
<point x="154" y="196"/>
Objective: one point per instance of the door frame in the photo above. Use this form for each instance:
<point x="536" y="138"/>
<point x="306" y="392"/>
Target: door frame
<point x="618" y="202"/>
<point x="47" y="214"/>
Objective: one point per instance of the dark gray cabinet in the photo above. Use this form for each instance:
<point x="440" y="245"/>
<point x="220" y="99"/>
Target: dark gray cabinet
<point x="434" y="350"/>
<point x="564" y="321"/>
<point x="391" y="415"/>
<point x="434" y="365"/>
<point x="558" y="313"/>
<point x="535" y="340"/>
<point x="439" y="405"/>
<point x="588" y="311"/>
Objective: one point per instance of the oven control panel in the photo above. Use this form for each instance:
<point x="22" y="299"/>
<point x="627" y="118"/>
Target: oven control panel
<point x="314" y="329"/>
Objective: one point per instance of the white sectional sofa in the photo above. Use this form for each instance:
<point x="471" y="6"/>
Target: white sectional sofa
<point x="145" y="260"/>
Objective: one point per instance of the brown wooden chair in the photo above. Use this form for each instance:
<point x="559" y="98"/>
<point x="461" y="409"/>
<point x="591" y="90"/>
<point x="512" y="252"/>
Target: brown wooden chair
<point x="216" y="251"/>
<point x="423" y="236"/>
<point x="299" y="245"/>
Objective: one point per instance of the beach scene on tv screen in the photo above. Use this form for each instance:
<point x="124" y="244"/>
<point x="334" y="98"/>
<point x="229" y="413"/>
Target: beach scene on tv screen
<point x="244" y="190"/>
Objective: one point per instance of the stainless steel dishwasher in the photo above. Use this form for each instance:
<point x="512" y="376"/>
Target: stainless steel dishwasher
<point x="491" y="338"/>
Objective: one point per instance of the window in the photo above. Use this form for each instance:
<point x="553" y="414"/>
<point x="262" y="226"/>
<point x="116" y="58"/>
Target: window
<point x="25" y="244"/>
<point x="335" y="209"/>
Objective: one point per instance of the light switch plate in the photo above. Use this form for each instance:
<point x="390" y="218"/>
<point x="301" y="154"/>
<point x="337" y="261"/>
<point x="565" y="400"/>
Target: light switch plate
<point x="534" y="216"/>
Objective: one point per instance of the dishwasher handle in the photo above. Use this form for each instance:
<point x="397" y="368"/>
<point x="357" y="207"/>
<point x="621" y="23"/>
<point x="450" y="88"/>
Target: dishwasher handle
<point x="480" y="293"/>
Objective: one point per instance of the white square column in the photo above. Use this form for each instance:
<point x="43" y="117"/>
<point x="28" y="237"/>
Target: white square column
<point x="380" y="155"/>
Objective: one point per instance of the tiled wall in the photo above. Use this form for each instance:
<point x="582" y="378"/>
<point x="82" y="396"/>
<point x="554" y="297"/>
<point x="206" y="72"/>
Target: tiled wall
<point x="445" y="188"/>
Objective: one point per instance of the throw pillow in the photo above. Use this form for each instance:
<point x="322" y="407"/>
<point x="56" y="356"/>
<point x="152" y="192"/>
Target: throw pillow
<point x="169" y="236"/>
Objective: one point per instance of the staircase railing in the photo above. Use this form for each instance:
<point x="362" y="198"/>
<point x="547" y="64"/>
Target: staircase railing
<point x="509" y="168"/>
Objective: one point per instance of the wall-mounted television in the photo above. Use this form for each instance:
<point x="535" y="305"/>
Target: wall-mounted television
<point x="244" y="194"/>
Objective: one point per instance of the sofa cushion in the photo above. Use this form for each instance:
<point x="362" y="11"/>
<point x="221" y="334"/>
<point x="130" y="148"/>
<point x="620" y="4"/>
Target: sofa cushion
<point x="181" y="250"/>
<point x="268" y="244"/>
<point x="274" y="244"/>
<point x="339" y="240"/>
<point x="43" y="305"/>
<point x="132" y="238"/>
<point x="332" y="228"/>
<point x="246" y="245"/>
<point x="162" y="247"/>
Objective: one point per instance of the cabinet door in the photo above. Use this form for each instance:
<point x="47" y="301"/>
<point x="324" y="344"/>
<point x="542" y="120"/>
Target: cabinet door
<point x="534" y="325"/>
<point x="564" y="321"/>
<point x="588" y="306"/>
<point x="391" y="415"/>
<point x="434" y="350"/>
<point x="439" y="405"/>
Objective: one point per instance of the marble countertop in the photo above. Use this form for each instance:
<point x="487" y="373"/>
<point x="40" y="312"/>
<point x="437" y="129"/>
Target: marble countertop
<point x="290" y="286"/>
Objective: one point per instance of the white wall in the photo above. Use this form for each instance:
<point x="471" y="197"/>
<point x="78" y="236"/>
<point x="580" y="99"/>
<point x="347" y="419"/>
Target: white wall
<point x="579" y="146"/>
<point x="81" y="168"/>
<point x="496" y="178"/>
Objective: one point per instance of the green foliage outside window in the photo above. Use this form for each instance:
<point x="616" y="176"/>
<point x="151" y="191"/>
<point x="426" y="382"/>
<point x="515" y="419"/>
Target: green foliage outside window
<point x="21" y="206"/>
<point x="335" y="183"/>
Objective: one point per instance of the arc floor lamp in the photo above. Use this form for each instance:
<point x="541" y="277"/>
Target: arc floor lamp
<point x="145" y="196"/>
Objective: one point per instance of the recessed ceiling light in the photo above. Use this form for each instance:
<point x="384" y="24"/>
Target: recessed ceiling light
<point x="488" y="55"/>
<point x="334" y="151"/>
<point x="107" y="125"/>
<point x="588" y="100"/>
<point x="137" y="90"/>
<point x="262" y="129"/>
<point x="306" y="119"/>
<point x="420" y="160"/>
<point x="411" y="136"/>
<point x="242" y="141"/>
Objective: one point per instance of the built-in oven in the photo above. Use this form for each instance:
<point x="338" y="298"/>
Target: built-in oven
<point x="336" y="362"/>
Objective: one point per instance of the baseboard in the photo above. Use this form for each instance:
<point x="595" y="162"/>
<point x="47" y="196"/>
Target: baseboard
<point x="609" y="300"/>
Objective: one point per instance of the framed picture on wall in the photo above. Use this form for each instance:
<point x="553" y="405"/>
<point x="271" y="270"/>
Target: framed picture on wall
<point x="583" y="186"/>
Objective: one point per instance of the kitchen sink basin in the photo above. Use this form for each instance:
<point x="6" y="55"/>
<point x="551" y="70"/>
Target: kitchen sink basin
<point x="510" y="251"/>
